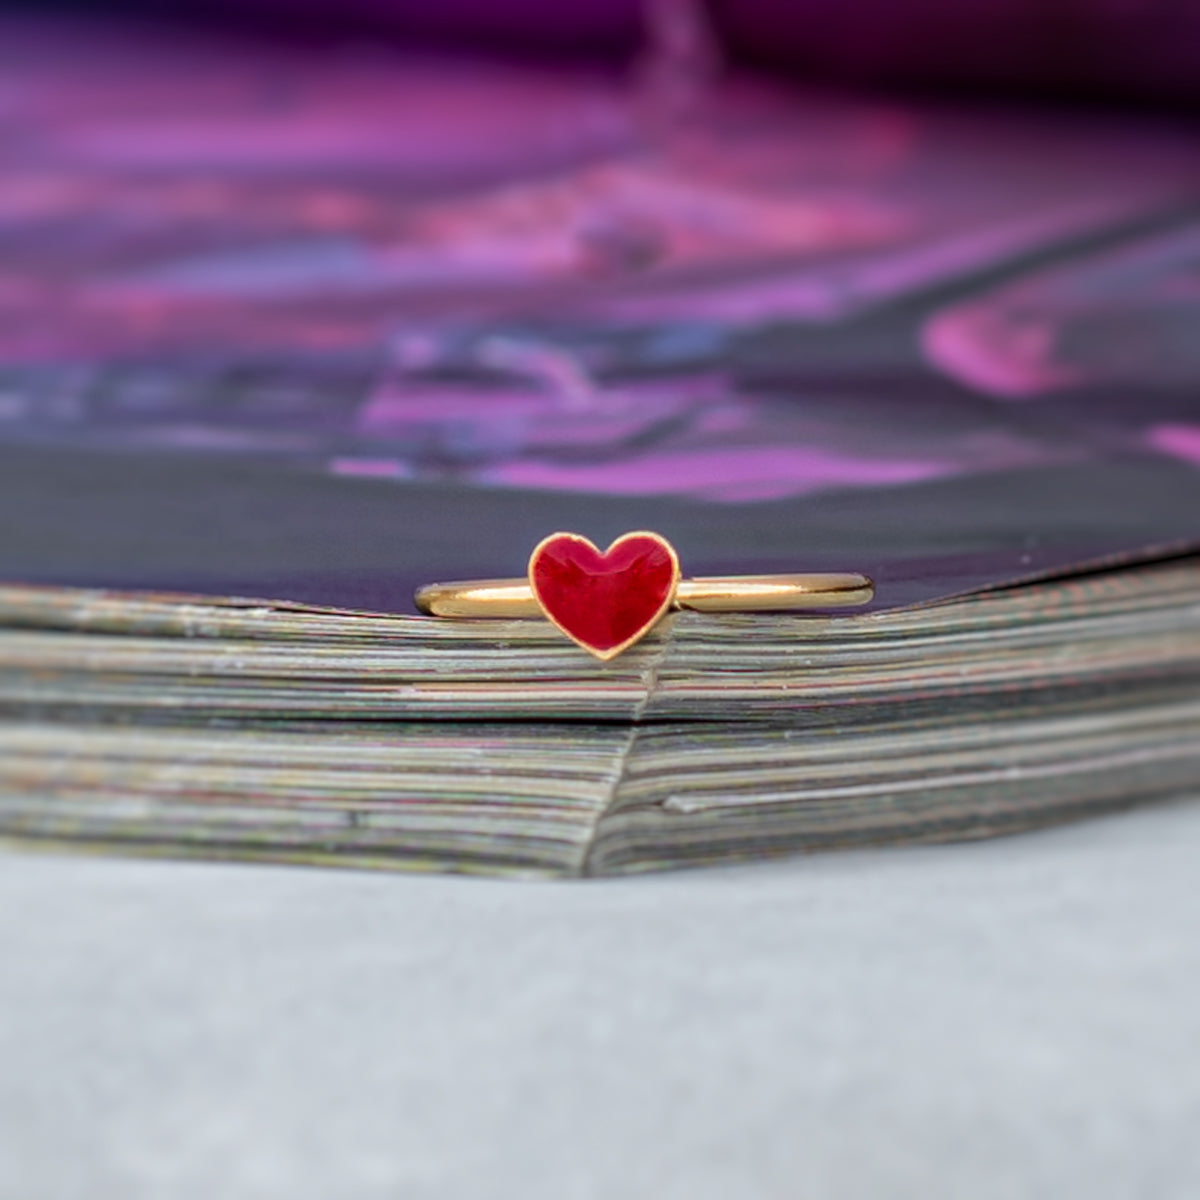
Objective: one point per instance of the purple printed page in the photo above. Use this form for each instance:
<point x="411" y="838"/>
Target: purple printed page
<point x="324" y="326"/>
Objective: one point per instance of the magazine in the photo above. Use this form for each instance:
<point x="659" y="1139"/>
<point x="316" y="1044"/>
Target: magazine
<point x="285" y="336"/>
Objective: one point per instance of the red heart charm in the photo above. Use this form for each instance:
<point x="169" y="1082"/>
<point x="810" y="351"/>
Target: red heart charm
<point x="604" y="602"/>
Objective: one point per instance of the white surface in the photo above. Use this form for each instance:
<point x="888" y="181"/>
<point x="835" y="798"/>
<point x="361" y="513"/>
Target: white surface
<point x="1013" y="1019"/>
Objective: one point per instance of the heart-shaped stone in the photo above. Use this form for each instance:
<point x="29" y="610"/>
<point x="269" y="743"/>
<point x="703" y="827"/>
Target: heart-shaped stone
<point x="604" y="602"/>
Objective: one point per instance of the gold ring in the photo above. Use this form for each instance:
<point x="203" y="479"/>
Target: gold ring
<point x="607" y="601"/>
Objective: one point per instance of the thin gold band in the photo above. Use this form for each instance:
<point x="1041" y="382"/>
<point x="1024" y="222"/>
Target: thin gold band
<point x="722" y="593"/>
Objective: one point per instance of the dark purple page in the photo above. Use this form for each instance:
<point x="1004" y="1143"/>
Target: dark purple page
<point x="321" y="327"/>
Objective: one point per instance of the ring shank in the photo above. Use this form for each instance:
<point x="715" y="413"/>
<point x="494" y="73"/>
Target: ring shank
<point x="774" y="593"/>
<point x="721" y="593"/>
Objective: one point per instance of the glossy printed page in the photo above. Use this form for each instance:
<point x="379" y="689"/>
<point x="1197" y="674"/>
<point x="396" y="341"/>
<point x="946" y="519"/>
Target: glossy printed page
<point x="322" y="327"/>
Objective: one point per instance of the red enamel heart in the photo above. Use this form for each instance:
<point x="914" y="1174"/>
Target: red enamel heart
<point x="608" y="601"/>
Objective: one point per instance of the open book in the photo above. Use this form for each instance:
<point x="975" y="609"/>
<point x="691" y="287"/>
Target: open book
<point x="353" y="353"/>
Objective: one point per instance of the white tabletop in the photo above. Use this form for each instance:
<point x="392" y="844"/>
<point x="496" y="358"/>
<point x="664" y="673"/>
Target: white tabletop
<point x="1007" y="1020"/>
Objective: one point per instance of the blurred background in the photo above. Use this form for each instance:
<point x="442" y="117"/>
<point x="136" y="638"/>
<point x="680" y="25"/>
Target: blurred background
<point x="732" y="252"/>
<point x="1130" y="51"/>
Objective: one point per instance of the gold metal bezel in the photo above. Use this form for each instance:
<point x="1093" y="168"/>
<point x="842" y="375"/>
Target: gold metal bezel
<point x="666" y="606"/>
